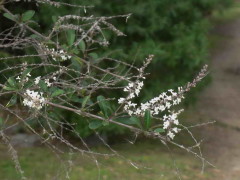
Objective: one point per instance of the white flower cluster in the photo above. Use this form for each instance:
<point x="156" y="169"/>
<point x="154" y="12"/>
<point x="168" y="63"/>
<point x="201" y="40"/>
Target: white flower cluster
<point x="47" y="81"/>
<point x="34" y="99"/>
<point x="134" y="90"/>
<point x="169" y="121"/>
<point x="61" y="53"/>
<point x="156" y="105"/>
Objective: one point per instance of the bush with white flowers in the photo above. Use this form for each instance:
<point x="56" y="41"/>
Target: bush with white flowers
<point x="60" y="71"/>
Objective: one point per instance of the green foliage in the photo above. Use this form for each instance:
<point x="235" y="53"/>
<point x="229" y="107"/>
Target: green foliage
<point x="12" y="101"/>
<point x="57" y="92"/>
<point x="147" y="119"/>
<point x="95" y="124"/>
<point x="28" y="15"/>
<point x="9" y="16"/>
<point x="159" y="130"/>
<point x="175" y="31"/>
<point x="70" y="37"/>
<point x="11" y="85"/>
<point x="104" y="106"/>
<point x="82" y="46"/>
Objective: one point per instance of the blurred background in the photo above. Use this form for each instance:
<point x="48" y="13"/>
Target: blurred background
<point x="183" y="35"/>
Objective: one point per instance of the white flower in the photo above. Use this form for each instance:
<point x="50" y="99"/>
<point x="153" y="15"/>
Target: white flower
<point x="131" y="95"/>
<point x="138" y="112"/>
<point x="64" y="58"/>
<point x="170" y="134"/>
<point x="144" y="106"/>
<point x="176" y="130"/>
<point x="130" y="112"/>
<point x="48" y="83"/>
<point x="18" y="78"/>
<point x="37" y="79"/>
<point x="176" y="122"/>
<point x="141" y="84"/>
<point x="130" y="85"/>
<point x="121" y="100"/>
<point x="166" y="124"/>
<point x="137" y="91"/>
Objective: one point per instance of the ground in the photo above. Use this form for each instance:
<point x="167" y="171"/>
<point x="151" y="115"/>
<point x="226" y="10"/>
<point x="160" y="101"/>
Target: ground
<point x="220" y="102"/>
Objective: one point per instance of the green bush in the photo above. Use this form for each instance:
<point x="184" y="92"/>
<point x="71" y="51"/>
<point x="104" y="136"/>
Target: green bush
<point x="175" y="31"/>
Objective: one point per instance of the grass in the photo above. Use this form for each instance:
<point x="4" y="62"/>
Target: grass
<point x="227" y="15"/>
<point x="223" y="17"/>
<point x="155" y="162"/>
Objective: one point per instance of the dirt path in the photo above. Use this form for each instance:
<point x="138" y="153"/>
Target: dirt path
<point x="221" y="102"/>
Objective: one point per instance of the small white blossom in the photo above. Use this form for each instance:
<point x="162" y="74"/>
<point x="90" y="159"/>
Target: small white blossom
<point x="18" y="78"/>
<point x="166" y="124"/>
<point x="48" y="83"/>
<point x="37" y="79"/>
<point x="121" y="100"/>
<point x="176" y="130"/>
<point x="61" y="53"/>
<point x="170" y="134"/>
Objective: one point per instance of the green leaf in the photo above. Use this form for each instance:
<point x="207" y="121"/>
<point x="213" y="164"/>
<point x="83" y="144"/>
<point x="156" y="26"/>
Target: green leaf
<point x="125" y="120"/>
<point x="159" y="130"/>
<point x="104" y="106"/>
<point x="93" y="55"/>
<point x="34" y="36"/>
<point x="8" y="88"/>
<point x="28" y="84"/>
<point x="71" y="37"/>
<point x="76" y="64"/>
<point x="54" y="19"/>
<point x="105" y="123"/>
<point x="85" y="100"/>
<point x="42" y="85"/>
<point x="12" y="101"/>
<point x="147" y="119"/>
<point x="9" y="16"/>
<point x="130" y="121"/>
<point x="136" y="121"/>
<point x="57" y="92"/>
<point x="25" y="72"/>
<point x="75" y="51"/>
<point x="95" y="124"/>
<point x="82" y="45"/>
<point x="11" y="82"/>
<point x="28" y="15"/>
